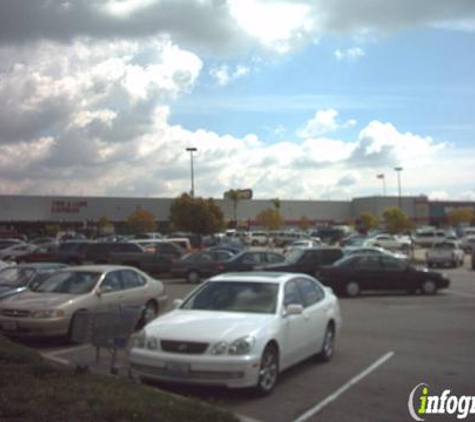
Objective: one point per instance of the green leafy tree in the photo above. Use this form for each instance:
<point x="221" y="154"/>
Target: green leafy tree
<point x="270" y="218"/>
<point x="461" y="215"/>
<point x="304" y="223"/>
<point x="276" y="202"/>
<point x="196" y="215"/>
<point x="141" y="221"/>
<point x="396" y="220"/>
<point x="367" y="221"/>
<point x="52" y="229"/>
<point x="105" y="225"/>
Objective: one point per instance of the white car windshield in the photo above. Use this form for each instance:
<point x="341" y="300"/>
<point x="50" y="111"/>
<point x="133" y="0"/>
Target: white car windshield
<point x="230" y="296"/>
<point x="71" y="282"/>
<point x="15" y="276"/>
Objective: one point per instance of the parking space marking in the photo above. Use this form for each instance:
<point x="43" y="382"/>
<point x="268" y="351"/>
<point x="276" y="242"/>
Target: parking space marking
<point x="54" y="355"/>
<point x="457" y="293"/>
<point x="332" y="397"/>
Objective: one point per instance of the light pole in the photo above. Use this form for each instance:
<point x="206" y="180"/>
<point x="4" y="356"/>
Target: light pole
<point x="383" y="178"/>
<point x="398" y="170"/>
<point x="191" y="151"/>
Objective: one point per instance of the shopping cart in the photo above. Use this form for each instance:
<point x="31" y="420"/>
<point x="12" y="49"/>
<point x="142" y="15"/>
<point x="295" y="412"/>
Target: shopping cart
<point x="110" y="330"/>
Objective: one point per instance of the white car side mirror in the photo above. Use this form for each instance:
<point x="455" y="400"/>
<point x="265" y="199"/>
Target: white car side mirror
<point x="177" y="303"/>
<point x="294" y="309"/>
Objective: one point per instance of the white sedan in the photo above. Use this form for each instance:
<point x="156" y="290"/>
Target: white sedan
<point x="239" y="330"/>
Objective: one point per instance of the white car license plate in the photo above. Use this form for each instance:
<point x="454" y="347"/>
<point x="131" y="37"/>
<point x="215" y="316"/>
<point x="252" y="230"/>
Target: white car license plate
<point x="9" y="325"/>
<point x="177" y="369"/>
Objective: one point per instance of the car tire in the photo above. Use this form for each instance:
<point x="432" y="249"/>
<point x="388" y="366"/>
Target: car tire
<point x="352" y="289"/>
<point x="254" y="243"/>
<point x="193" y="277"/>
<point x="268" y="371"/>
<point x="70" y="333"/>
<point x="328" y="346"/>
<point x="429" y="287"/>
<point x="149" y="313"/>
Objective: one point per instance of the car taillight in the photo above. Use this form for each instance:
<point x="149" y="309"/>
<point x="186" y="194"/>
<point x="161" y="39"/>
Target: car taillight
<point x="220" y="267"/>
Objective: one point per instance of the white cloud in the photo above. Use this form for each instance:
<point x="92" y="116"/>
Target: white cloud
<point x="350" y="54"/>
<point x="225" y="75"/>
<point x="324" y="121"/>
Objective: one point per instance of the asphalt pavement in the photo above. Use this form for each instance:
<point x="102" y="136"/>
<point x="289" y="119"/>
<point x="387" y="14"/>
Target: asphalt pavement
<point x="388" y="345"/>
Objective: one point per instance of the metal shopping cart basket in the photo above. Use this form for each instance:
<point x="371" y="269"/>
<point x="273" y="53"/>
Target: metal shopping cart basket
<point x="110" y="330"/>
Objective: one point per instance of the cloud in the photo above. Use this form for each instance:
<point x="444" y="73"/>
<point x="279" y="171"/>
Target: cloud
<point x="324" y="121"/>
<point x="349" y="179"/>
<point x="220" y="27"/>
<point x="225" y="75"/>
<point x="351" y="54"/>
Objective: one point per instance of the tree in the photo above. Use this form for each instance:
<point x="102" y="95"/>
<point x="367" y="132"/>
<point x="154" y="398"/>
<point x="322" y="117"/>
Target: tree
<point x="196" y="215"/>
<point x="457" y="216"/>
<point x="105" y="225"/>
<point x="270" y="218"/>
<point x="396" y="220"/>
<point x="276" y="202"/>
<point x="141" y="221"/>
<point x="304" y="223"/>
<point x="367" y="221"/>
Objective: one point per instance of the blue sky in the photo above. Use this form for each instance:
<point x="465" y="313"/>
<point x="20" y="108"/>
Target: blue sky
<point x="295" y="99"/>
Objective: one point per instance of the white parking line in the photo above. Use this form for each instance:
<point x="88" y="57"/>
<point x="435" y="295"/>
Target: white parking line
<point x="457" y="293"/>
<point x="332" y="397"/>
<point x="63" y="351"/>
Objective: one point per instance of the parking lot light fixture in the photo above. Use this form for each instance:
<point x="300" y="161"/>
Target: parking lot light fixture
<point x="191" y="150"/>
<point x="398" y="170"/>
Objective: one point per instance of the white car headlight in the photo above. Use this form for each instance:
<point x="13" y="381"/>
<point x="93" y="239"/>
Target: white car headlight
<point x="152" y="343"/>
<point x="140" y="339"/>
<point x="219" y="348"/>
<point x="242" y="346"/>
<point x="47" y="313"/>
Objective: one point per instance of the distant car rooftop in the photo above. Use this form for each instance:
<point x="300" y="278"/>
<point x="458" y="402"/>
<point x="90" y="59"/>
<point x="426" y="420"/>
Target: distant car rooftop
<point x="257" y="276"/>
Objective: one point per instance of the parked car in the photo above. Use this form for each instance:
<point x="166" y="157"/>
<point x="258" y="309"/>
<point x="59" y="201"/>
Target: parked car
<point x="99" y="252"/>
<point x="43" y="240"/>
<point x="49" y="308"/>
<point x="72" y="252"/>
<point x="302" y="243"/>
<point x="444" y="253"/>
<point x="42" y="253"/>
<point x="353" y="274"/>
<point x="193" y="267"/>
<point x="182" y="242"/>
<point x="6" y="243"/>
<point x="307" y="261"/>
<point x="18" y="278"/>
<point x="374" y="250"/>
<point x="388" y="241"/>
<point x="11" y="252"/>
<point x="468" y="244"/>
<point x="155" y="260"/>
<point x="239" y="330"/>
<point x="427" y="238"/>
<point x="257" y="238"/>
<point x="249" y="260"/>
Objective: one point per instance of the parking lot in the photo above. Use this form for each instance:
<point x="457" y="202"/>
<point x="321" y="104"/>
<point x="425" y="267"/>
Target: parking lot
<point x="389" y="344"/>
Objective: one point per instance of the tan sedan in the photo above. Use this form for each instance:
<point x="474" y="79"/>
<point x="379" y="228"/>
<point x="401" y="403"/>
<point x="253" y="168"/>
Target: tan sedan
<point x="49" y="308"/>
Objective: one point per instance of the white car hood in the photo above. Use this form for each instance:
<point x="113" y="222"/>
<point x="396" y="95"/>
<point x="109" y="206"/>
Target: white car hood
<point x="31" y="300"/>
<point x="207" y="326"/>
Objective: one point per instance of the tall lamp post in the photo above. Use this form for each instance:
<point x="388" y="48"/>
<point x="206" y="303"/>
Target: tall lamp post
<point x="191" y="151"/>
<point x="398" y="170"/>
<point x="381" y="176"/>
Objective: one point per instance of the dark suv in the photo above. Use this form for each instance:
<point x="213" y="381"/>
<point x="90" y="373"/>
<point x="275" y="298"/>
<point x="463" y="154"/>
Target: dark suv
<point x="306" y="260"/>
<point x="72" y="252"/>
<point x="99" y="253"/>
